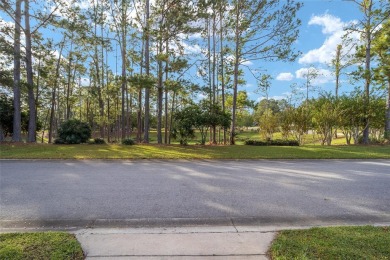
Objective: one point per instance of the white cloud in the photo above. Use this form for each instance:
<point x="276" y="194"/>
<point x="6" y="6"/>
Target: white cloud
<point x="333" y="28"/>
<point x="247" y="63"/>
<point x="85" y="82"/>
<point x="330" y="24"/>
<point x="323" y="75"/>
<point x="191" y="49"/>
<point x="272" y="97"/>
<point x="285" y="76"/>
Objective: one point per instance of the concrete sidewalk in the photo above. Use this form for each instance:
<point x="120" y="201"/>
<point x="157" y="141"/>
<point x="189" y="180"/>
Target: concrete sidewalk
<point x="225" y="242"/>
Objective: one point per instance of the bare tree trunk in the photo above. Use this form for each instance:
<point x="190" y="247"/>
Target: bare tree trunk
<point x="54" y="94"/>
<point x="387" y="124"/>
<point x="17" y="124"/>
<point x="159" y="96"/>
<point x="367" y="73"/>
<point x="32" y="122"/>
<point x="235" y="82"/>
<point x="213" y="130"/>
<point x="139" y="112"/>
<point x="166" y="95"/>
<point x="37" y="87"/>
<point x="209" y="70"/>
<point x="337" y="72"/>
<point x="222" y="70"/>
<point x="67" y="115"/>
<point x="172" y="111"/>
<point x="124" y="64"/>
<point x="147" y="70"/>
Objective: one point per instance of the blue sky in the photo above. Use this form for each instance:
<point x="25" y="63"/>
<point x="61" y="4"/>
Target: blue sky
<point x="321" y="30"/>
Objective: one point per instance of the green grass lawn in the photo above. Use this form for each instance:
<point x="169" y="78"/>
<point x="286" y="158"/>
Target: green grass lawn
<point x="153" y="151"/>
<point x="42" y="245"/>
<point x="333" y="243"/>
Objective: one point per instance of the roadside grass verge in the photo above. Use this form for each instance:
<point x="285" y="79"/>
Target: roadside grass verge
<point x="364" y="242"/>
<point x="152" y="151"/>
<point x="41" y="245"/>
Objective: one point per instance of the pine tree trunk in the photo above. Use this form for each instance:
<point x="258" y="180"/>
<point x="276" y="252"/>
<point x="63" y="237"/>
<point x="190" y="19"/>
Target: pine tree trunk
<point x="67" y="115"/>
<point x="367" y="76"/>
<point x="124" y="64"/>
<point x="159" y="96"/>
<point x="213" y="130"/>
<point x="222" y="70"/>
<point x="387" y="124"/>
<point x="17" y="124"/>
<point x="32" y="125"/>
<point x="54" y="94"/>
<point x="147" y="70"/>
<point x="166" y="96"/>
<point x="235" y="82"/>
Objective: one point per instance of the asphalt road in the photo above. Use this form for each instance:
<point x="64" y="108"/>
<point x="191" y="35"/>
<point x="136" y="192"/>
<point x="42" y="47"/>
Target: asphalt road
<point x="39" y="193"/>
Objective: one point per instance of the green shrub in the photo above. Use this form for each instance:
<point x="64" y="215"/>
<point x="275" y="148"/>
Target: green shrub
<point x="98" y="141"/>
<point x="73" y="131"/>
<point x="59" y="141"/>
<point x="128" y="141"/>
<point x="272" y="143"/>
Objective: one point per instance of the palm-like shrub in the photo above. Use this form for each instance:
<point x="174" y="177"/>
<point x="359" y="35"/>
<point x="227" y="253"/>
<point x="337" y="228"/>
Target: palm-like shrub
<point x="73" y="131"/>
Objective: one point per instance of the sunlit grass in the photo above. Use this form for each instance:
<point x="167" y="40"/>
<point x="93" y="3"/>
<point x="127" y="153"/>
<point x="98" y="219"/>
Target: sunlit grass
<point x="333" y="243"/>
<point x="153" y="151"/>
<point x="40" y="245"/>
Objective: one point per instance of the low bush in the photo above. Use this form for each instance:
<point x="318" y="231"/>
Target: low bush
<point x="128" y="141"/>
<point x="73" y="131"/>
<point x="98" y="141"/>
<point x="272" y="143"/>
<point x="59" y="141"/>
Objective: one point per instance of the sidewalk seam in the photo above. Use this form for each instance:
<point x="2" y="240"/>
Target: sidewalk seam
<point x="231" y="219"/>
<point x="174" y="255"/>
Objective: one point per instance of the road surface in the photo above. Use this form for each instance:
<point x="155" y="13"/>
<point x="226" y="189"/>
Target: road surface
<point x="98" y="193"/>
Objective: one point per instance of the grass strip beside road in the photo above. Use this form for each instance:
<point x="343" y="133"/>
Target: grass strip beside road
<point x="86" y="151"/>
<point x="40" y="245"/>
<point x="332" y="243"/>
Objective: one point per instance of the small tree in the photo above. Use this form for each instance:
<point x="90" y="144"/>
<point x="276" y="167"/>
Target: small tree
<point x="351" y="119"/>
<point x="200" y="117"/>
<point x="269" y="123"/>
<point x="299" y="123"/>
<point x="324" y="117"/>
<point x="183" y="124"/>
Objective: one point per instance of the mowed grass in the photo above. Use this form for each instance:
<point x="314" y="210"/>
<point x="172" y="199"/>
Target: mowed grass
<point x="41" y="245"/>
<point x="153" y="151"/>
<point x="333" y="243"/>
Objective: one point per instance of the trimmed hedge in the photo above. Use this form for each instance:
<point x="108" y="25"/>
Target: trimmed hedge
<point x="128" y="141"/>
<point x="272" y="143"/>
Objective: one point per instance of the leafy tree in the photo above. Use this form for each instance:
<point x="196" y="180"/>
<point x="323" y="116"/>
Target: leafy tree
<point x="263" y="30"/>
<point x="324" y="116"/>
<point x="268" y="123"/>
<point x="200" y="117"/>
<point x="351" y="119"/>
<point x="374" y="14"/>
<point x="299" y="124"/>
<point x="286" y="122"/>
<point x="381" y="48"/>
<point x="6" y="119"/>
<point x="184" y="119"/>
